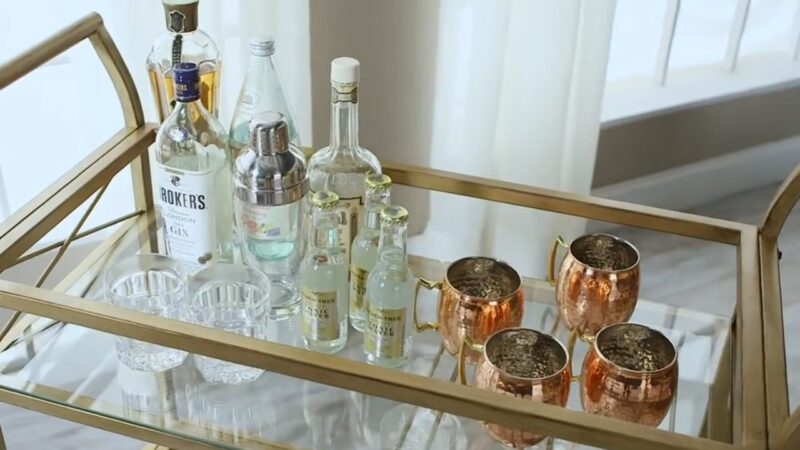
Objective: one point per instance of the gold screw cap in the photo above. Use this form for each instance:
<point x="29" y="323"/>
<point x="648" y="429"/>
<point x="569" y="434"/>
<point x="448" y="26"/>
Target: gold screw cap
<point x="324" y="200"/>
<point x="394" y="215"/>
<point x="377" y="182"/>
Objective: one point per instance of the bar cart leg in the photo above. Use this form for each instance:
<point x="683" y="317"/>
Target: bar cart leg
<point x="717" y="424"/>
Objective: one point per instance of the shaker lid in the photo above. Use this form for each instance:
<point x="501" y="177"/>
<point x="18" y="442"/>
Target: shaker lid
<point x="269" y="133"/>
<point x="267" y="173"/>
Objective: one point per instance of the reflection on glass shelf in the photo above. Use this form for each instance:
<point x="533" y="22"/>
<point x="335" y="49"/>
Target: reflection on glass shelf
<point x="79" y="367"/>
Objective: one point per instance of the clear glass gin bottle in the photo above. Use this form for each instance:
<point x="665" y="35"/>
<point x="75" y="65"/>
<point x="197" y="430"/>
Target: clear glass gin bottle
<point x="261" y="92"/>
<point x="192" y="178"/>
<point x="342" y="166"/>
<point x="364" y="252"/>
<point x="390" y="295"/>
<point x="183" y="42"/>
<point x="269" y="186"/>
<point x="323" y="279"/>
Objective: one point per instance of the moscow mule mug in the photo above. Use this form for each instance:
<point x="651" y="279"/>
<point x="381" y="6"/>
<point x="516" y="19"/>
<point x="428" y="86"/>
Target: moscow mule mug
<point x="597" y="283"/>
<point x="478" y="296"/>
<point x="630" y="373"/>
<point x="524" y="363"/>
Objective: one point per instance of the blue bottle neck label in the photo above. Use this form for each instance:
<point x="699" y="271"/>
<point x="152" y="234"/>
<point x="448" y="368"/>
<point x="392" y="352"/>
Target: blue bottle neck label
<point x="187" y="91"/>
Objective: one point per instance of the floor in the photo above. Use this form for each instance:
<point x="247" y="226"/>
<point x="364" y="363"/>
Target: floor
<point x="691" y="272"/>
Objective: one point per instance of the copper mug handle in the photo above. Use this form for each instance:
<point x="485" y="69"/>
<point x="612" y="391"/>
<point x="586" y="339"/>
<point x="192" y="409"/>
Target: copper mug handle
<point x="462" y="357"/>
<point x="429" y="285"/>
<point x="551" y="267"/>
<point x="573" y="338"/>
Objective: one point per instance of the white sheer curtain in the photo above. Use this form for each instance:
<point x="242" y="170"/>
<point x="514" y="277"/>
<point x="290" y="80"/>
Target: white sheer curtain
<point x="506" y="89"/>
<point x="519" y="90"/>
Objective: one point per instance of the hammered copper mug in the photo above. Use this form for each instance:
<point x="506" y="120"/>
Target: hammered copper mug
<point x="597" y="284"/>
<point x="630" y="373"/>
<point x="478" y="296"/>
<point x="520" y="362"/>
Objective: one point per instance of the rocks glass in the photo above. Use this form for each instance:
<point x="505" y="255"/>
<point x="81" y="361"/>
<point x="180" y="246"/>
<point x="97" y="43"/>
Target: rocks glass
<point x="235" y="299"/>
<point x="153" y="284"/>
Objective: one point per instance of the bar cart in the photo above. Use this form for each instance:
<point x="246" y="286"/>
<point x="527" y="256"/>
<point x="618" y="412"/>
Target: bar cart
<point x="312" y="400"/>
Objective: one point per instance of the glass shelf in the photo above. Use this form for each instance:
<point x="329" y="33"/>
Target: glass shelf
<point x="77" y="366"/>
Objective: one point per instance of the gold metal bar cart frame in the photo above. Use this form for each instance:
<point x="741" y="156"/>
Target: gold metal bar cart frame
<point x="759" y="400"/>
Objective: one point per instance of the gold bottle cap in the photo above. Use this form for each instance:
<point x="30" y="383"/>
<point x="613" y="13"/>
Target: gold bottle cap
<point x="377" y="182"/>
<point x="181" y="15"/>
<point x="394" y="214"/>
<point x="324" y="200"/>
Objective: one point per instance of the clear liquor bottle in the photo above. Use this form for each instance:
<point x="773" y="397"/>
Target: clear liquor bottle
<point x="390" y="295"/>
<point x="261" y="92"/>
<point x="191" y="178"/>
<point x="183" y="42"/>
<point x="364" y="253"/>
<point x="342" y="166"/>
<point x="323" y="279"/>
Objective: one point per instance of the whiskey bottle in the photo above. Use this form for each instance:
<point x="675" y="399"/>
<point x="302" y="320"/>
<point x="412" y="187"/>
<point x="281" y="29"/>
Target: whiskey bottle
<point x="390" y="294"/>
<point x="261" y="92"/>
<point x="323" y="279"/>
<point x="342" y="166"/>
<point x="364" y="252"/>
<point x="269" y="186"/>
<point x="192" y="177"/>
<point x="183" y="42"/>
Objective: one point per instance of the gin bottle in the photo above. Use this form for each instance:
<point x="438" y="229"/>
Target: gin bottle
<point x="364" y="252"/>
<point x="183" y="42"/>
<point x="261" y="92"/>
<point x="269" y="186"/>
<point x="342" y="166"/>
<point x="323" y="279"/>
<point x="191" y="177"/>
<point x="390" y="295"/>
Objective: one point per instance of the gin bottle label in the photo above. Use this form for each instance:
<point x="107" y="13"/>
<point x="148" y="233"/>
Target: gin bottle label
<point x="186" y="202"/>
<point x="384" y="334"/>
<point x="320" y="321"/>
<point x="358" y="287"/>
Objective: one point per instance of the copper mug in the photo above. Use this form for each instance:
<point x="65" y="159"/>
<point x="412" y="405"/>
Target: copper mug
<point x="597" y="284"/>
<point x="478" y="296"/>
<point x="630" y="373"/>
<point x="520" y="362"/>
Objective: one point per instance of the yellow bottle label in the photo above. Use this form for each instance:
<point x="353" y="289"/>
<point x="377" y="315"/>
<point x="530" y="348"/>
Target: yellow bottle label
<point x="358" y="287"/>
<point x="320" y="321"/>
<point x="384" y="335"/>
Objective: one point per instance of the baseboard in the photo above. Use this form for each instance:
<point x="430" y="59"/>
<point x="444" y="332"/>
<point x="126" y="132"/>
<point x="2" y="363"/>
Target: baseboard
<point x="702" y="182"/>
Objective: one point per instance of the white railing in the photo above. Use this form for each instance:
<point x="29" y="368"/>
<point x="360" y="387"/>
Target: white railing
<point x="722" y="76"/>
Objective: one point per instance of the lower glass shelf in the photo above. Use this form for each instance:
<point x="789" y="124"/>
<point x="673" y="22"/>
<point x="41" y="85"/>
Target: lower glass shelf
<point x="77" y="366"/>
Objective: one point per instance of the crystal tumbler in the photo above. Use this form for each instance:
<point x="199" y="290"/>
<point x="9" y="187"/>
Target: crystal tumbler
<point x="153" y="284"/>
<point x="235" y="299"/>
